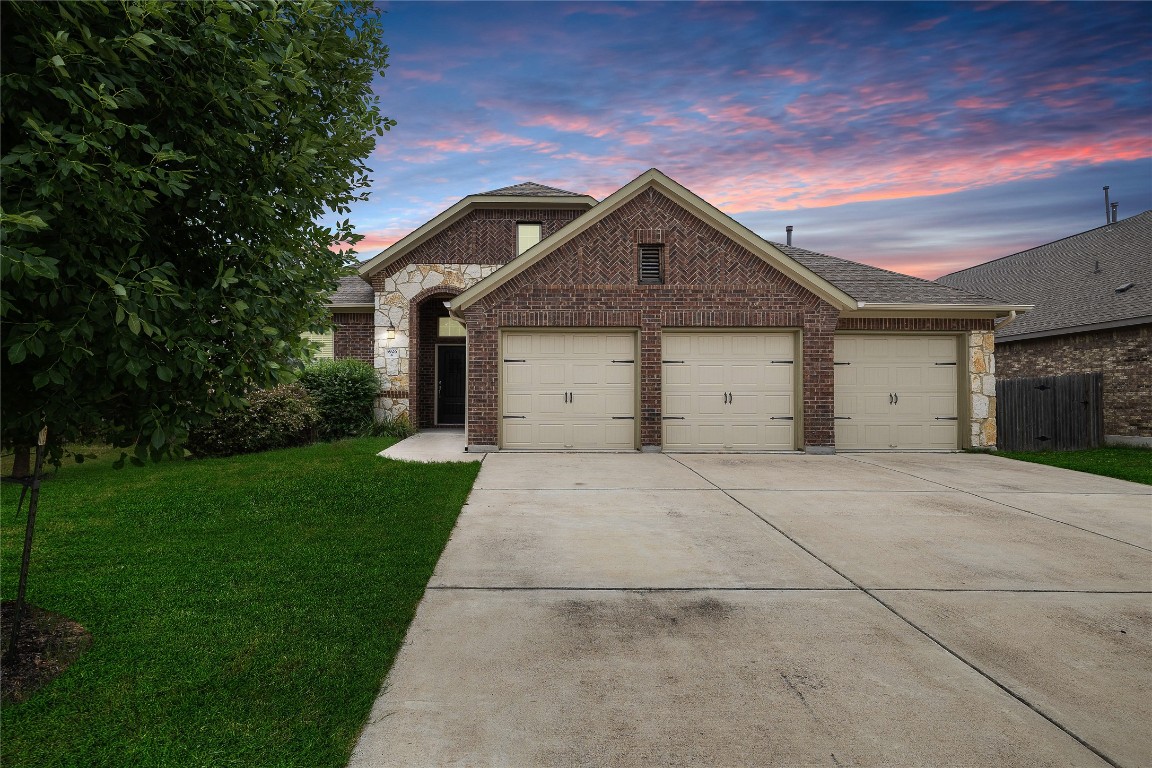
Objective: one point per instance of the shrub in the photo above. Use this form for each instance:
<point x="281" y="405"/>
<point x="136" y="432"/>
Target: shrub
<point x="399" y="427"/>
<point x="281" y="417"/>
<point x="344" y="392"/>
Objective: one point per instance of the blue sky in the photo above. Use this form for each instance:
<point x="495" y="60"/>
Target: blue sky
<point x="921" y="137"/>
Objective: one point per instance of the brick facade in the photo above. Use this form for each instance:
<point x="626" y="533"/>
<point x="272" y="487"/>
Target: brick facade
<point x="353" y="336"/>
<point x="709" y="282"/>
<point x="1123" y="355"/>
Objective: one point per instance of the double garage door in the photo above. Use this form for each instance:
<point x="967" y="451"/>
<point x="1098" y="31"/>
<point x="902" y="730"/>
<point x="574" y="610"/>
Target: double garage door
<point x="723" y="391"/>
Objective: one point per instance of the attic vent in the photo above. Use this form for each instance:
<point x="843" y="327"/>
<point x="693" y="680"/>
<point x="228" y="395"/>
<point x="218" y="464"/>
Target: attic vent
<point x="1124" y="287"/>
<point x="651" y="264"/>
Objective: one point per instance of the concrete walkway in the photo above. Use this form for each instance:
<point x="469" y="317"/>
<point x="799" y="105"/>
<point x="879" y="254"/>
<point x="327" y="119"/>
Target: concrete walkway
<point x="879" y="609"/>
<point x="432" y="445"/>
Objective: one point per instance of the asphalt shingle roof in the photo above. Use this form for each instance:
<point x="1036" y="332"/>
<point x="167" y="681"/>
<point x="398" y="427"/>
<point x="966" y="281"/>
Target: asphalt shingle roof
<point x="872" y="284"/>
<point x="1062" y="280"/>
<point x="353" y="289"/>
<point x="531" y="189"/>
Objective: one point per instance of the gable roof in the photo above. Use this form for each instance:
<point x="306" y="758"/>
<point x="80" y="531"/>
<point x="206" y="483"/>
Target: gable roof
<point x="353" y="291"/>
<point x="526" y="195"/>
<point x="844" y="284"/>
<point x="1062" y="280"/>
<point x="531" y="189"/>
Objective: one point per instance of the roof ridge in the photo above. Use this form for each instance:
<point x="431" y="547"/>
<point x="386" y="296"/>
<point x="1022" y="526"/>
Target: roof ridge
<point x="1045" y="245"/>
<point x="531" y="186"/>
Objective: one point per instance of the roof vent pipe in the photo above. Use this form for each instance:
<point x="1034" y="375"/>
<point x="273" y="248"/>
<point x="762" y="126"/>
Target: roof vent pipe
<point x="1107" y="208"/>
<point x="788" y="231"/>
<point x="1114" y="207"/>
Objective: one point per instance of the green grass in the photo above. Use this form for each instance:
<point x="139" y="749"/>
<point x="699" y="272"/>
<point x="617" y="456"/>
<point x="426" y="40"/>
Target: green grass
<point x="244" y="611"/>
<point x="1125" y="462"/>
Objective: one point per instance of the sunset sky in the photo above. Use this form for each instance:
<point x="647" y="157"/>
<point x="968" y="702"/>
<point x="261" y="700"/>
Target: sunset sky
<point x="920" y="137"/>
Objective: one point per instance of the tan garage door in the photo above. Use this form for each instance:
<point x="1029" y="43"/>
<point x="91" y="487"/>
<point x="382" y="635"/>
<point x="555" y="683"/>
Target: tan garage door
<point x="566" y="390"/>
<point x="896" y="392"/>
<point x="729" y="391"/>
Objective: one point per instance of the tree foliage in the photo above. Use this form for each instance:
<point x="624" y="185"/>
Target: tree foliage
<point x="166" y="169"/>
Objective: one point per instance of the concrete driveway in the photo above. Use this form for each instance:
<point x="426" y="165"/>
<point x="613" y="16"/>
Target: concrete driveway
<point x="780" y="610"/>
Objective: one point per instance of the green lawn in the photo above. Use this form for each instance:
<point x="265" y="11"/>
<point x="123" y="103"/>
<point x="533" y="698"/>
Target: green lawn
<point x="244" y="611"/>
<point x="1125" y="462"/>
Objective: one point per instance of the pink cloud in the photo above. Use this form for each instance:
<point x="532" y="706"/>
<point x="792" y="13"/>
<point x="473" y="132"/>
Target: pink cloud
<point x="418" y="75"/>
<point x="794" y="76"/>
<point x="927" y="24"/>
<point x="977" y="102"/>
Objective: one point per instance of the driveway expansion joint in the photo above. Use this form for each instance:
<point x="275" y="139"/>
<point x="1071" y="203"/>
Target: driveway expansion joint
<point x="1009" y="506"/>
<point x="873" y="594"/>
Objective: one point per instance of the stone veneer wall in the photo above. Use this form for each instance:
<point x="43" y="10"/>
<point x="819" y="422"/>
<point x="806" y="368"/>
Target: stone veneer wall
<point x="1122" y="355"/>
<point x="394" y="305"/>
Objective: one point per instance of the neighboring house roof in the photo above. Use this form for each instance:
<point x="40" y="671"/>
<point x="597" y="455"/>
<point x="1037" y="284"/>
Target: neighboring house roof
<point x="526" y="195"/>
<point x="1073" y="282"/>
<point x="844" y="284"/>
<point x="353" y="291"/>
<point x="530" y="189"/>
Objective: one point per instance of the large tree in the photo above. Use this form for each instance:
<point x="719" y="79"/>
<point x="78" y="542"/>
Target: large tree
<point x="166" y="171"/>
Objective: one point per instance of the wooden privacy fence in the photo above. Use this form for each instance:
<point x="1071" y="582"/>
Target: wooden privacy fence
<point x="1050" y="413"/>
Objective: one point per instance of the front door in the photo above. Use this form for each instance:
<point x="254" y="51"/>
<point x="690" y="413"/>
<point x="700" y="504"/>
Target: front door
<point x="450" y="390"/>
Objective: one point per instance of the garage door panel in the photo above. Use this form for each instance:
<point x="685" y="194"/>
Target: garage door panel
<point x="880" y="367"/>
<point x="726" y="389"/>
<point x="568" y="390"/>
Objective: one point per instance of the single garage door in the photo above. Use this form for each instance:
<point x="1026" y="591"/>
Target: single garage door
<point x="896" y="392"/>
<point x="569" y="390"/>
<point x="730" y="391"/>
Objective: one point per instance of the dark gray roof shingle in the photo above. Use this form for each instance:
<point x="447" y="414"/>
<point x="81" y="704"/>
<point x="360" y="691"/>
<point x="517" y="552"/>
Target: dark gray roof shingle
<point x="531" y="189"/>
<point x="1060" y="278"/>
<point x="352" y="289"/>
<point x="872" y="284"/>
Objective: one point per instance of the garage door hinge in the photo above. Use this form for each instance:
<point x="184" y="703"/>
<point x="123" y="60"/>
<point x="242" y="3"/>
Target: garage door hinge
<point x="507" y="360"/>
<point x="945" y="363"/>
<point x="782" y="418"/>
<point x="681" y="418"/>
<point x="515" y="417"/>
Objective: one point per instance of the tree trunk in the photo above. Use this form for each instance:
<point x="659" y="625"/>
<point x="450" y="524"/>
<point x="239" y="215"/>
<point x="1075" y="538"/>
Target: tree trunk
<point x="21" y="466"/>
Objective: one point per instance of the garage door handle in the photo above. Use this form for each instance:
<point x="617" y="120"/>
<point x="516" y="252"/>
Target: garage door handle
<point x="945" y="363"/>
<point x="515" y="417"/>
<point x="947" y="418"/>
<point x="789" y="362"/>
<point x="623" y="361"/>
<point x="681" y="418"/>
<point x="670" y="362"/>
<point x="508" y="360"/>
<point x="623" y="417"/>
<point x="841" y="363"/>
<point x="782" y="418"/>
<point x="842" y="417"/>
<point x="897" y="398"/>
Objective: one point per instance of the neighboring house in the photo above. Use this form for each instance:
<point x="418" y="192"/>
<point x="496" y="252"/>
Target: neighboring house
<point x="543" y="319"/>
<point x="1093" y="312"/>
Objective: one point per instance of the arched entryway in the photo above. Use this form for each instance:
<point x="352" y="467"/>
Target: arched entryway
<point x="437" y="354"/>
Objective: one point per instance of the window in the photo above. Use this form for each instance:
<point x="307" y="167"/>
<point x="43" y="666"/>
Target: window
<point x="325" y="348"/>
<point x="527" y="235"/>
<point x="651" y="263"/>
<point x="450" y="326"/>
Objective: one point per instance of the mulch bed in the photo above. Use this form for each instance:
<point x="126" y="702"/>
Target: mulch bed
<point x="48" y="644"/>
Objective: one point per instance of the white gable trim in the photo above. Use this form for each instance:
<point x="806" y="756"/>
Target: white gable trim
<point x="456" y="212"/>
<point x="690" y="201"/>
